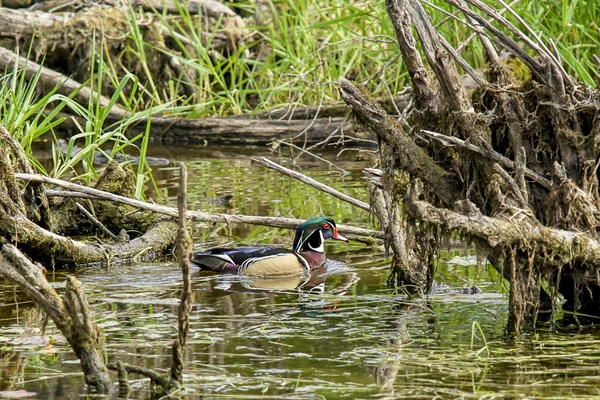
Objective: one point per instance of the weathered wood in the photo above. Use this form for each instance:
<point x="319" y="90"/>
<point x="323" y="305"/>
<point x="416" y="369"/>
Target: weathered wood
<point x="246" y="132"/>
<point x="181" y="130"/>
<point x="183" y="247"/>
<point x="423" y="90"/>
<point x="332" y="110"/>
<point x="488" y="153"/>
<point x="409" y="156"/>
<point x="439" y="60"/>
<point x="49" y="79"/>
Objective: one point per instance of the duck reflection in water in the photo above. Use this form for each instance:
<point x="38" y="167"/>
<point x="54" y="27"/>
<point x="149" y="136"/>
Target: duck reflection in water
<point x="314" y="297"/>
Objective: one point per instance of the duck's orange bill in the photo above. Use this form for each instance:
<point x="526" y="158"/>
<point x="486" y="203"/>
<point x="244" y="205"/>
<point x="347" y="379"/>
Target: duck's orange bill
<point x="337" y="236"/>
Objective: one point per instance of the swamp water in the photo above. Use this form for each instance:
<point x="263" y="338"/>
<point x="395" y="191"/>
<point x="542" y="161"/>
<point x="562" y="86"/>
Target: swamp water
<point x="343" y="335"/>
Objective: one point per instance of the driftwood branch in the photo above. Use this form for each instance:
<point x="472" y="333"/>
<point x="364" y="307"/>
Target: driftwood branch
<point x="422" y="88"/>
<point x="504" y="233"/>
<point x="439" y="59"/>
<point x="409" y="155"/>
<point x="50" y="79"/>
<point x="503" y="40"/>
<point x="200" y="216"/>
<point x="265" y="162"/>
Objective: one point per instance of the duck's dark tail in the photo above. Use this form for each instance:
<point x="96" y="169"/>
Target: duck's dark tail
<point x="212" y="262"/>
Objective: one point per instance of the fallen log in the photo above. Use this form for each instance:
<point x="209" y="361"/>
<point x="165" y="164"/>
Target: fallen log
<point x="183" y="130"/>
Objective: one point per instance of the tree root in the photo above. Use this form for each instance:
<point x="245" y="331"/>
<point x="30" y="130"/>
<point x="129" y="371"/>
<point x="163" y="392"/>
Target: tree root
<point x="513" y="168"/>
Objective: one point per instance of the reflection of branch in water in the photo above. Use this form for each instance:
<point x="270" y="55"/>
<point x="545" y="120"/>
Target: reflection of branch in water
<point x="386" y="372"/>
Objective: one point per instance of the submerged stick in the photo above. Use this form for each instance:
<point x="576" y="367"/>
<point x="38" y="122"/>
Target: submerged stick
<point x="354" y="233"/>
<point x="265" y="162"/>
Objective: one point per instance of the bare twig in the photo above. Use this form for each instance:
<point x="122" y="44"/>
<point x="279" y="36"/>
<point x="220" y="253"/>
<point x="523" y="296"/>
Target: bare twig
<point x="489" y="48"/>
<point x="265" y="162"/>
<point x="545" y="50"/>
<point x="513" y="186"/>
<point x="293" y="146"/>
<point x="481" y="81"/>
<point x="506" y="42"/>
<point x="182" y="251"/>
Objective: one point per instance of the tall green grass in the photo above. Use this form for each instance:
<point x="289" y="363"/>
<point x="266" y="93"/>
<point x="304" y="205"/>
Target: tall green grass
<point x="315" y="42"/>
<point x="29" y="116"/>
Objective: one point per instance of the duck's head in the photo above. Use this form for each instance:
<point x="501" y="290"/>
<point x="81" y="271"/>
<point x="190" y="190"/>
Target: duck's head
<point x="311" y="234"/>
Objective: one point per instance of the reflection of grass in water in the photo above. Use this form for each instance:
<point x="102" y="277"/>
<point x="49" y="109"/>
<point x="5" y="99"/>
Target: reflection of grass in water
<point x="257" y="191"/>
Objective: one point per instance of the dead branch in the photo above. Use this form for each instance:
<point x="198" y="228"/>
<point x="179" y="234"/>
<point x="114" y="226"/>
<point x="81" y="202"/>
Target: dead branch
<point x="422" y="88"/>
<point x="97" y="223"/>
<point x="439" y="60"/>
<point x="503" y="233"/>
<point x="503" y="40"/>
<point x="388" y="215"/>
<point x="50" y="79"/>
<point x="200" y="216"/>
<point x="516" y="190"/>
<point x="409" y="156"/>
<point x="489" y="153"/>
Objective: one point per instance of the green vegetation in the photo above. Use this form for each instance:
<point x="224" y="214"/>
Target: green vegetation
<point x="315" y="42"/>
<point x="305" y="47"/>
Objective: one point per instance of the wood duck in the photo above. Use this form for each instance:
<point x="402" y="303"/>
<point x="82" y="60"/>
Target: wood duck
<point x="306" y="255"/>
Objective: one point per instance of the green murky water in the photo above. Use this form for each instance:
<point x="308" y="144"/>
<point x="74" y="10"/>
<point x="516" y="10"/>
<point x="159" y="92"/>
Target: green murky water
<point x="343" y="336"/>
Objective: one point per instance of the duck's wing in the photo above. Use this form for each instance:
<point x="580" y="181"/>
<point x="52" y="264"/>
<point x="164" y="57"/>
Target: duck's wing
<point x="265" y="261"/>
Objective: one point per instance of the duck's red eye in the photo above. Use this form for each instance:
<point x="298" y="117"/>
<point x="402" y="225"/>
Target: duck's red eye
<point x="326" y="226"/>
